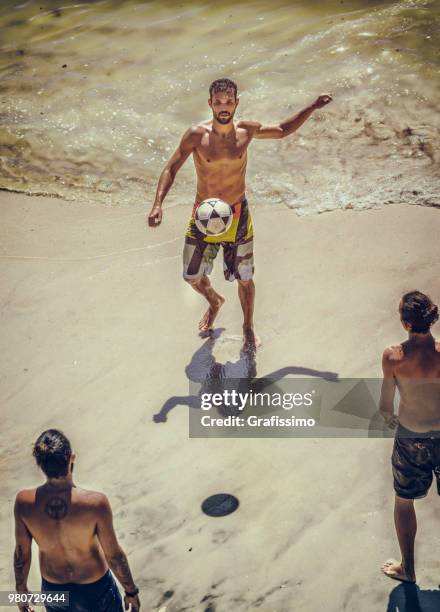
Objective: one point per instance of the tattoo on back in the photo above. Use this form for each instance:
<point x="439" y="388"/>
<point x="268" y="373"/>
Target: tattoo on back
<point x="56" y="508"/>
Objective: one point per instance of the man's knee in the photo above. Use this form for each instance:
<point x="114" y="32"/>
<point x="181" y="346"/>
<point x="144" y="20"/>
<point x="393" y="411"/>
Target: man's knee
<point x="194" y="281"/>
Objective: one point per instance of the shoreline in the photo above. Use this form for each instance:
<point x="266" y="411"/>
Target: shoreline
<point x="84" y="201"/>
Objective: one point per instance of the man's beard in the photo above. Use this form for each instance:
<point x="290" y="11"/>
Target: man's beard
<point x="224" y="120"/>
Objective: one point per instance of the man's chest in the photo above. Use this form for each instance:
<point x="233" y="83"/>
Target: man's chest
<point x="214" y="149"/>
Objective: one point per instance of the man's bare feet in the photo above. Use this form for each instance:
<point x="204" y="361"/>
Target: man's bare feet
<point x="207" y="321"/>
<point x="250" y="340"/>
<point x="393" y="569"/>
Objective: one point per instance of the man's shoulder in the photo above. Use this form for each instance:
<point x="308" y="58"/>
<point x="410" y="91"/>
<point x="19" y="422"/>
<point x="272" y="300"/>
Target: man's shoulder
<point x="199" y="129"/>
<point x="95" y="502"/>
<point x="25" y="497"/>
<point x="194" y="134"/>
<point x="90" y="502"/>
<point x="393" y="353"/>
<point x="91" y="498"/>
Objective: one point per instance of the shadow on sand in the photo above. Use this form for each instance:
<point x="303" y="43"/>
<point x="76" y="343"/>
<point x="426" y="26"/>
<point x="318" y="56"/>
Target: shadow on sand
<point x="203" y="368"/>
<point x="409" y="598"/>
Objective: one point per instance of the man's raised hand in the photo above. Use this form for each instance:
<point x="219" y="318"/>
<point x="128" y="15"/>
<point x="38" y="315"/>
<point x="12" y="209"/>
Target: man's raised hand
<point x="155" y="216"/>
<point x="322" y="100"/>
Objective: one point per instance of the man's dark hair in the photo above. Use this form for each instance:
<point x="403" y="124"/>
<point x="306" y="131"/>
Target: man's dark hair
<point x="222" y="85"/>
<point x="52" y="452"/>
<point x="419" y="311"/>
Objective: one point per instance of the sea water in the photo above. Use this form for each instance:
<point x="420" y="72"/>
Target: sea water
<point x="95" y="96"/>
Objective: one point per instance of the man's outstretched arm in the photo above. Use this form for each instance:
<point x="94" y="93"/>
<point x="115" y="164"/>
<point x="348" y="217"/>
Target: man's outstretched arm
<point x="168" y="174"/>
<point x="290" y="125"/>
<point x="116" y="557"/>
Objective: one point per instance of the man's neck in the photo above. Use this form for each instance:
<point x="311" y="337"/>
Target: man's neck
<point x="66" y="482"/>
<point x="223" y="129"/>
<point x="421" y="339"/>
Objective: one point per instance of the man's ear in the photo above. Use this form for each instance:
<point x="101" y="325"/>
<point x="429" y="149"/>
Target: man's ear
<point x="210" y="102"/>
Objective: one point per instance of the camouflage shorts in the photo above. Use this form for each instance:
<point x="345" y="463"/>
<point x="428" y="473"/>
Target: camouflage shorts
<point x="198" y="259"/>
<point x="200" y="250"/>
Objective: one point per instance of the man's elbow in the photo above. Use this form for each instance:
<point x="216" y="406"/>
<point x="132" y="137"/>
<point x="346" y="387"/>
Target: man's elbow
<point x="282" y="134"/>
<point x="169" y="173"/>
<point x="115" y="556"/>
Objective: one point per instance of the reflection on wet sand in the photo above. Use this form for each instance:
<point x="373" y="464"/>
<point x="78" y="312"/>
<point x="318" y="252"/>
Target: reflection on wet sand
<point x="206" y="370"/>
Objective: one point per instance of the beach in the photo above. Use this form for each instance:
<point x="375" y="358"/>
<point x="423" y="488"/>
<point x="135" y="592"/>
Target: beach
<point x="98" y="328"/>
<point x="100" y="333"/>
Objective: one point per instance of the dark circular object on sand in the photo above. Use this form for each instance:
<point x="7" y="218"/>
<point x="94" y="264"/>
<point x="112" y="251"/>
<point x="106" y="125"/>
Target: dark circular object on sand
<point x="220" y="504"/>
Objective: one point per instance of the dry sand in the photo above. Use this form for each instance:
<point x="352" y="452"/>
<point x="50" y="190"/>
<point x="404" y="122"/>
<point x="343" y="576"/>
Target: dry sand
<point x="97" y="330"/>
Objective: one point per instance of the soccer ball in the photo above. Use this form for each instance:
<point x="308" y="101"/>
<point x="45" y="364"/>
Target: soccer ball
<point x="213" y="217"/>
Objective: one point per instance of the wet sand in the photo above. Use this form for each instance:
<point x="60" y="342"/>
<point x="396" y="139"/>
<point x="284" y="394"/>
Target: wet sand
<point x="98" y="328"/>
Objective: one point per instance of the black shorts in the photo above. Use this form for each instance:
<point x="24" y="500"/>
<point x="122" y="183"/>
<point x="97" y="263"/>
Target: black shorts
<point x="100" y="596"/>
<point x="415" y="460"/>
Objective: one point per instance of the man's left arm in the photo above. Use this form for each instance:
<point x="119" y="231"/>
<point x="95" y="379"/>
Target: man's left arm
<point x="290" y="125"/>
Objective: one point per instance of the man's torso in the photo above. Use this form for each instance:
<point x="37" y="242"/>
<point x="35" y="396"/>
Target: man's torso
<point x="63" y="524"/>
<point x="220" y="162"/>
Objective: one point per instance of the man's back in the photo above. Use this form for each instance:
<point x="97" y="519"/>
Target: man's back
<point x="63" y="522"/>
<point x="416" y="367"/>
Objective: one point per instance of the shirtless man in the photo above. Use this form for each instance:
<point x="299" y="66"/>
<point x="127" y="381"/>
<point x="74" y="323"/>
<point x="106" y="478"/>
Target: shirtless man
<point x="219" y="150"/>
<point x="73" y="529"/>
<point x="414" y="368"/>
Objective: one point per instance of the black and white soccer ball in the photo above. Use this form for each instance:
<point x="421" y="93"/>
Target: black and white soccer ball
<point x="213" y="217"/>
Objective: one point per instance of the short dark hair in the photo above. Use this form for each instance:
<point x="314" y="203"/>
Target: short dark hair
<point x="419" y="311"/>
<point x="52" y="452"/>
<point x="222" y="85"/>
